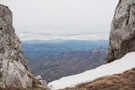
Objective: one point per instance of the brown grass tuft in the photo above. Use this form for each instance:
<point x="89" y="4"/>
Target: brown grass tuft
<point x="30" y="75"/>
<point x="110" y="59"/>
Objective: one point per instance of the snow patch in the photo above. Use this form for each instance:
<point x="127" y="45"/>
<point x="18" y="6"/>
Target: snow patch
<point x="116" y="67"/>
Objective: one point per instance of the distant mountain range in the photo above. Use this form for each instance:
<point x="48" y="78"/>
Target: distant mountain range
<point x="34" y="48"/>
<point x="54" y="66"/>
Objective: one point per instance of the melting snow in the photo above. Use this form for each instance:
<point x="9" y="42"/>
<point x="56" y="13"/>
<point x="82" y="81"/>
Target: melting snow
<point x="116" y="67"/>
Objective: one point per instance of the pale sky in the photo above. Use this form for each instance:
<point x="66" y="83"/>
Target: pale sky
<point x="62" y="19"/>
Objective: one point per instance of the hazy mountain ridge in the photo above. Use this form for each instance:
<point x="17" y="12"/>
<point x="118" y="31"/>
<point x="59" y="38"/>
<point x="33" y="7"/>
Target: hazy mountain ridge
<point x="34" y="48"/>
<point x="55" y="66"/>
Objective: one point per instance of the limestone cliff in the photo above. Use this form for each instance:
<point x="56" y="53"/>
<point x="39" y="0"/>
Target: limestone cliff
<point x="122" y="35"/>
<point x="14" y="69"/>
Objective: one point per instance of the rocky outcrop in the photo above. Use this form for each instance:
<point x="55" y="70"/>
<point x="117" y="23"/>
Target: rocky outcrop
<point x="14" y="70"/>
<point x="122" y="35"/>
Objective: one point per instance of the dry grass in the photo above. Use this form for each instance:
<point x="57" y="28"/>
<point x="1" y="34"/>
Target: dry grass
<point x="14" y="60"/>
<point x="12" y="88"/>
<point x="125" y="81"/>
<point x="30" y="75"/>
<point x="17" y="88"/>
<point x="110" y="59"/>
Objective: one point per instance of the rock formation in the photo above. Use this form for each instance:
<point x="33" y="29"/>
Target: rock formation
<point x="122" y="35"/>
<point x="14" y="70"/>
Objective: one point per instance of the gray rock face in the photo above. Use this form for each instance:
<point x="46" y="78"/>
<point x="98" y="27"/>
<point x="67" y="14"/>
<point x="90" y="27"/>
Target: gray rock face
<point x="122" y="35"/>
<point x="10" y="45"/>
<point x="14" y="69"/>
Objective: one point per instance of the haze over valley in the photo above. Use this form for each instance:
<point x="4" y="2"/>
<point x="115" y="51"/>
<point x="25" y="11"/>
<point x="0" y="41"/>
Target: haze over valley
<point x="34" y="48"/>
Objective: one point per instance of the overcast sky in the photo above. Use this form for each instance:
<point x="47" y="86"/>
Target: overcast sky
<point x="62" y="19"/>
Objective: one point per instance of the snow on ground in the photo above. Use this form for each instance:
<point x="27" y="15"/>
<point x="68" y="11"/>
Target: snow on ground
<point x="116" y="67"/>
